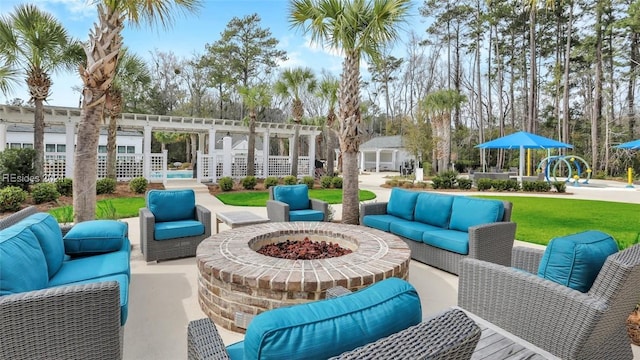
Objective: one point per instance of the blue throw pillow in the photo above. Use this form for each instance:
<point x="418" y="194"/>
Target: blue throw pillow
<point x="434" y="209"/>
<point x="172" y="205"/>
<point x="95" y="237"/>
<point x="47" y="231"/>
<point x="467" y="212"/>
<point x="575" y="260"/>
<point x="402" y="203"/>
<point x="23" y="266"/>
<point x="297" y="196"/>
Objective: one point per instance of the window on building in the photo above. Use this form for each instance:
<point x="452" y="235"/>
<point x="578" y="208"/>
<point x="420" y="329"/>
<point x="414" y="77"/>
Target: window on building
<point x="50" y="148"/>
<point x="131" y="149"/>
<point x="122" y="149"/>
<point x="102" y="149"/>
<point x="15" y="145"/>
<point x="27" y="146"/>
<point x="61" y="148"/>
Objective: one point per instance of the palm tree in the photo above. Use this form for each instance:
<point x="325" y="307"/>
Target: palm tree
<point x="253" y="98"/>
<point x="291" y="84"/>
<point x="439" y="105"/>
<point x="35" y="44"/>
<point x="102" y="51"/>
<point x="8" y="78"/>
<point x="131" y="70"/>
<point x="359" y="28"/>
<point x="328" y="91"/>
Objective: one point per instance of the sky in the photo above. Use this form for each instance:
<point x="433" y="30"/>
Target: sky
<point x="186" y="37"/>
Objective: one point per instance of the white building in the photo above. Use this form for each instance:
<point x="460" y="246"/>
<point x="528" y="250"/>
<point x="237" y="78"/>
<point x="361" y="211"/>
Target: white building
<point x="383" y="153"/>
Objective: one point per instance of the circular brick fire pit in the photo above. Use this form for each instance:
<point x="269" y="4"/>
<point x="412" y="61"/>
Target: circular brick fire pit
<point x="234" y="280"/>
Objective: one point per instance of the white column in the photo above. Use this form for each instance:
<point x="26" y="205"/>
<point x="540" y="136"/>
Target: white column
<point x="70" y="136"/>
<point x="362" y="168"/>
<point x="212" y="141"/>
<point x="3" y="136"/>
<point x="146" y="150"/>
<point x="291" y="152"/>
<point x="266" y="145"/>
<point x="377" y="160"/>
<point x="394" y="159"/>
<point x="211" y="159"/>
<point x="201" y="139"/>
<point x="312" y="155"/>
<point x="226" y="150"/>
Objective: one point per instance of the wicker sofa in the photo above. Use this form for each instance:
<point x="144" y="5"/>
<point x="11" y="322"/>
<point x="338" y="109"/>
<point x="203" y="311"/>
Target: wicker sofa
<point x="566" y="322"/>
<point x="79" y="311"/>
<point x="443" y="229"/>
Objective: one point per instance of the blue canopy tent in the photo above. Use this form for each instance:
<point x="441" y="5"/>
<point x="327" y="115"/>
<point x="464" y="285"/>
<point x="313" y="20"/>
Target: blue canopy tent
<point x="631" y="145"/>
<point x="523" y="140"/>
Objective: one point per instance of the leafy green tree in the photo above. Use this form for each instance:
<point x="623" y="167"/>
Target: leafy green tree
<point x="359" y="28"/>
<point x="254" y="98"/>
<point x="35" y="45"/>
<point x="328" y="91"/>
<point x="439" y="105"/>
<point x="291" y="84"/>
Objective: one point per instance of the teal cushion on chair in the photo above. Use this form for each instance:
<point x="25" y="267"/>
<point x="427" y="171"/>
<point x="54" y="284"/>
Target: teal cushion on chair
<point x="325" y="328"/>
<point x="177" y="229"/>
<point x="467" y="212"/>
<point x="575" y="260"/>
<point x="402" y="203"/>
<point x="306" y="215"/>
<point x="433" y="209"/>
<point x="297" y="196"/>
<point x="172" y="205"/>
<point x="23" y="266"/>
<point x="95" y="237"/>
<point x="47" y="231"/>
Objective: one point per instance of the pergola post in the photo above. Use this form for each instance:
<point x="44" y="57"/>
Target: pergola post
<point x="378" y="160"/>
<point x="226" y="151"/>
<point x="146" y="150"/>
<point x="265" y="153"/>
<point x="70" y="136"/>
<point x="213" y="165"/>
<point x="312" y="155"/>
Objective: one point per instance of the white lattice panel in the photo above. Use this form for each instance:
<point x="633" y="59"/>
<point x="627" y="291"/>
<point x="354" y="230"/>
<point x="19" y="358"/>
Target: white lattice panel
<point x="129" y="166"/>
<point x="239" y="166"/>
<point x="158" y="167"/>
<point x="279" y="166"/>
<point x="54" y="166"/>
<point x="303" y="166"/>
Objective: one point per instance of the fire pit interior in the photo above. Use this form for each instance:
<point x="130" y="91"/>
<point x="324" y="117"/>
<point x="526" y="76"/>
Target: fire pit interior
<point x="235" y="280"/>
<point x="305" y="249"/>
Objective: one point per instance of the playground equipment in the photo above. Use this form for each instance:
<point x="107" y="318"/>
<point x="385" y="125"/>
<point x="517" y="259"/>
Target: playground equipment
<point x="573" y="165"/>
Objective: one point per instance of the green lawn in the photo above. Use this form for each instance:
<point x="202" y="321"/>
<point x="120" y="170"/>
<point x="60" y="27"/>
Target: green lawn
<point x="540" y="219"/>
<point x="259" y="198"/>
<point x="116" y="208"/>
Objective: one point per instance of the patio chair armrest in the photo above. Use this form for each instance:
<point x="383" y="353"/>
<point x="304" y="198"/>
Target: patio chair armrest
<point x="277" y="211"/>
<point x="372" y="208"/>
<point x="203" y="215"/>
<point x="78" y="322"/>
<point x="320" y="205"/>
<point x="204" y="341"/>
<point x="147" y="228"/>
<point x="492" y="242"/>
<point x="527" y="259"/>
<point x="551" y="316"/>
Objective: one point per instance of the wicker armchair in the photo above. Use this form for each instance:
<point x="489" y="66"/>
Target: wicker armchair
<point x="284" y="211"/>
<point x="568" y="323"/>
<point x="450" y="335"/>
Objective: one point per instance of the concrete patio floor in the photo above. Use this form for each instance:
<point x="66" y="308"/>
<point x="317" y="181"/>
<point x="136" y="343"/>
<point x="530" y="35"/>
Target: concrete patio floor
<point x="163" y="296"/>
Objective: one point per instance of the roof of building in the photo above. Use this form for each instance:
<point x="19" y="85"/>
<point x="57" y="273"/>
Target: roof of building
<point x="384" y="142"/>
<point x="61" y="130"/>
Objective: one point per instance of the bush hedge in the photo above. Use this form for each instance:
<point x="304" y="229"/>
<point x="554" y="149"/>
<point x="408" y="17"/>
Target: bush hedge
<point x="64" y="186"/>
<point x="225" y="183"/>
<point x="11" y="197"/>
<point x="249" y="182"/>
<point x="105" y="186"/>
<point x="43" y="192"/>
<point x="138" y="185"/>
<point x="270" y="181"/>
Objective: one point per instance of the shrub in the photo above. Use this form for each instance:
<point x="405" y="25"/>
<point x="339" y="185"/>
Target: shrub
<point x="499" y="184"/>
<point x="16" y="165"/>
<point x="64" y="186"/>
<point x="449" y="179"/>
<point x="138" y="185"/>
<point x="105" y="186"/>
<point x="528" y="186"/>
<point x="309" y="180"/>
<point x="437" y="183"/>
<point x="560" y="186"/>
<point x="43" y="192"/>
<point x="464" y="184"/>
<point x="542" y="186"/>
<point x="11" y="197"/>
<point x="407" y="184"/>
<point x="290" y="180"/>
<point x="391" y="183"/>
<point x="249" y="182"/>
<point x="484" y="184"/>
<point x="420" y="184"/>
<point x="512" y="185"/>
<point x="337" y="182"/>
<point x="225" y="183"/>
<point x="325" y="182"/>
<point x="270" y="181"/>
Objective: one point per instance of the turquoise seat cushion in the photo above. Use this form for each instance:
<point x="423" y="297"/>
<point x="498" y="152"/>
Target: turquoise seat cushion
<point x="380" y="222"/>
<point x="321" y="329"/>
<point x="123" y="281"/>
<point x="297" y="196"/>
<point x="410" y="229"/>
<point x="95" y="237"/>
<point x="402" y="203"/>
<point x="177" y="229"/>
<point x="47" y="231"/>
<point x="172" y="205"/>
<point x="575" y="260"/>
<point x="467" y="212"/>
<point x="433" y="209"/>
<point x="23" y="266"/>
<point x="306" y="215"/>
<point x="92" y="267"/>
<point x="451" y="240"/>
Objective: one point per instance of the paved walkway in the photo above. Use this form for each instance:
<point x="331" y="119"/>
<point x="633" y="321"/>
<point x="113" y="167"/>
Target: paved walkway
<point x="163" y="296"/>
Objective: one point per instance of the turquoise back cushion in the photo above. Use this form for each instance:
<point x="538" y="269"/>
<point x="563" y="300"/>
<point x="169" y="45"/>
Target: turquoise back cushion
<point x="433" y="209"/>
<point x="402" y="203"/>
<point x="467" y="212"/>
<point x="95" y="237"/>
<point x="47" y="231"/>
<point x="297" y="196"/>
<point x="172" y="205"/>
<point x="575" y="260"/>
<point x="321" y="329"/>
<point x="23" y="266"/>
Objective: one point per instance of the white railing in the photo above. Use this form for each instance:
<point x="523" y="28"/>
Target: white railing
<point x="211" y="167"/>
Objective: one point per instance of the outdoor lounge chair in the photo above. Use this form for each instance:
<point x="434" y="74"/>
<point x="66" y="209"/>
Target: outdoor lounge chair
<point x="292" y="203"/>
<point x="172" y="225"/>
<point x="566" y="322"/>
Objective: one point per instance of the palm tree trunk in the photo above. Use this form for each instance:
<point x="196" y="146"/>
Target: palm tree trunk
<point x="38" y="139"/>
<point x="251" y="145"/>
<point x="294" y="149"/>
<point x="111" y="147"/>
<point x="85" y="172"/>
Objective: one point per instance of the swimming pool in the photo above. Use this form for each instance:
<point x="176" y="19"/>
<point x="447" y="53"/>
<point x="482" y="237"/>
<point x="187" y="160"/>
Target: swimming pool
<point x="175" y="174"/>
